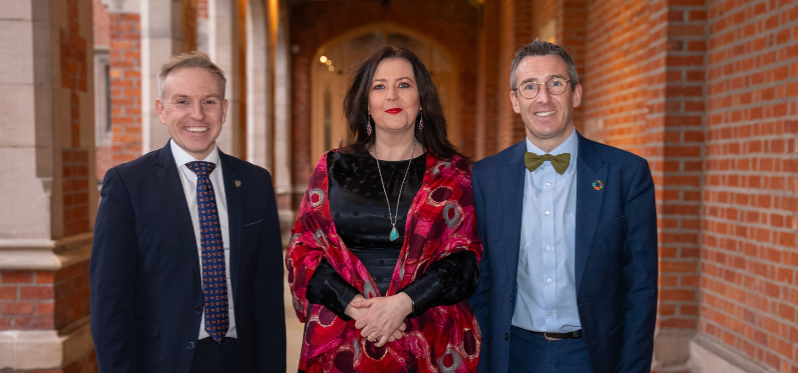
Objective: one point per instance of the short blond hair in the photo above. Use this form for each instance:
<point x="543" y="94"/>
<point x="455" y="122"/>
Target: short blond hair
<point x="185" y="60"/>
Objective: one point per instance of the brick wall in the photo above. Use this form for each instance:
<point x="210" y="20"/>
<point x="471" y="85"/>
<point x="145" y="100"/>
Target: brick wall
<point x="125" y="74"/>
<point x="674" y="146"/>
<point x="27" y="300"/>
<point x="74" y="77"/>
<point x="489" y="97"/>
<point x="572" y="34"/>
<point x="515" y="30"/>
<point x="47" y="300"/>
<point x="202" y="9"/>
<point x="189" y="25"/>
<point x="101" y="24"/>
<point x="75" y="174"/>
<point x="748" y="284"/>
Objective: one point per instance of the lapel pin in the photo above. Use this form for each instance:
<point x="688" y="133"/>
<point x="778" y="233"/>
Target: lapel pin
<point x="597" y="185"/>
<point x="238" y="183"/>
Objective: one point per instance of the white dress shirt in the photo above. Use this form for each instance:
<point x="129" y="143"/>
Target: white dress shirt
<point x="189" y="180"/>
<point x="546" y="300"/>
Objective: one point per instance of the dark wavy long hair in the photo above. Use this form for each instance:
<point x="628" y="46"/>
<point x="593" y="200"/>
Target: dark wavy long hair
<point x="432" y="137"/>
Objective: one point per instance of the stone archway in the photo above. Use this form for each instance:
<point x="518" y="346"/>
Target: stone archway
<point x="336" y="60"/>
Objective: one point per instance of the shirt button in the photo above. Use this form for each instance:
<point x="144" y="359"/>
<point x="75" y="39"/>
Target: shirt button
<point x="548" y="213"/>
<point x="550" y="313"/>
<point x="190" y="345"/>
<point x="548" y="183"/>
<point x="548" y="247"/>
<point x="549" y="280"/>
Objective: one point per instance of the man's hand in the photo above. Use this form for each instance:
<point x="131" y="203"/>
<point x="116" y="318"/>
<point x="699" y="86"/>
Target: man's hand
<point x="384" y="317"/>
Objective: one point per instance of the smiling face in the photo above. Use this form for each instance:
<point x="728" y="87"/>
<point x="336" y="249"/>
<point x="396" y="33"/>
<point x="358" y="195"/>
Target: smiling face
<point x="393" y="96"/>
<point x="193" y="109"/>
<point x="548" y="118"/>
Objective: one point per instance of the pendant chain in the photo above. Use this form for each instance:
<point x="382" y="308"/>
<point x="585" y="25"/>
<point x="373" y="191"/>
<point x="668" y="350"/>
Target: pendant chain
<point x="395" y="217"/>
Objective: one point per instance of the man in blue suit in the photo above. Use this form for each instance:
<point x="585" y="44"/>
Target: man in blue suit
<point x="569" y="274"/>
<point x="186" y="270"/>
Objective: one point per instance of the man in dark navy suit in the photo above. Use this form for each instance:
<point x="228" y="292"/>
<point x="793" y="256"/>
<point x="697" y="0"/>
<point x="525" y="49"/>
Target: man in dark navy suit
<point x="186" y="270"/>
<point x="569" y="273"/>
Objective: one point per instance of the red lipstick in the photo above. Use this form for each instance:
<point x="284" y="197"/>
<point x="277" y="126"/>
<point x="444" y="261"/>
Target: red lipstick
<point x="395" y="110"/>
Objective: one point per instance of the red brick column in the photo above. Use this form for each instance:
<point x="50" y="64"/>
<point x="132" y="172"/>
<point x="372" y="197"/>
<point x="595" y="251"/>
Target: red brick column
<point x="74" y="77"/>
<point x="572" y="34"/>
<point x="749" y="292"/>
<point x="675" y="123"/>
<point x="27" y="300"/>
<point x="489" y="97"/>
<point x="515" y="31"/>
<point x="125" y="55"/>
<point x="46" y="300"/>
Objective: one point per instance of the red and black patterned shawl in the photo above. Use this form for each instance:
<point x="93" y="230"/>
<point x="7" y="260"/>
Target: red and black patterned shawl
<point x="441" y="221"/>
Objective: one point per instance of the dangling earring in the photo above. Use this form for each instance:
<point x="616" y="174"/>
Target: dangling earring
<point x="421" y="122"/>
<point x="368" y="123"/>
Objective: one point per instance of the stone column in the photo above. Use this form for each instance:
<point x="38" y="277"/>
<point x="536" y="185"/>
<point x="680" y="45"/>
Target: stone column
<point x="48" y="199"/>
<point x="282" y="124"/>
<point x="259" y="64"/>
<point x="160" y="39"/>
<point x="223" y="50"/>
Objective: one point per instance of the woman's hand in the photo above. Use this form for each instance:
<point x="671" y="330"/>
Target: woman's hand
<point x="354" y="312"/>
<point x="384" y="317"/>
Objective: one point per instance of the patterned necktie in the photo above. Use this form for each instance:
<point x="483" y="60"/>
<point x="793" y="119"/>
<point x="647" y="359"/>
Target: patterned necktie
<point x="214" y="278"/>
<point x="559" y="162"/>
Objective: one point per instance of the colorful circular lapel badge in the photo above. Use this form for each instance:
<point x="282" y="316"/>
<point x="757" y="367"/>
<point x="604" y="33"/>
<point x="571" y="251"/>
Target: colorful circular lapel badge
<point x="597" y="185"/>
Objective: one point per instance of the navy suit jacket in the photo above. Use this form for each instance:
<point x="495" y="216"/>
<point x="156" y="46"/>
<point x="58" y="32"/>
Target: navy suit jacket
<point x="146" y="286"/>
<point x="616" y="255"/>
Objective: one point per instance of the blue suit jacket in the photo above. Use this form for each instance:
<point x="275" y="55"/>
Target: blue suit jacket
<point x="616" y="255"/>
<point x="146" y="286"/>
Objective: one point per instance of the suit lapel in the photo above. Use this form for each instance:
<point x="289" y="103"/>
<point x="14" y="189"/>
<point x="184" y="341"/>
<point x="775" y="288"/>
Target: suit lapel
<point x="590" y="168"/>
<point x="234" y="209"/>
<point x="511" y="178"/>
<point x="173" y="188"/>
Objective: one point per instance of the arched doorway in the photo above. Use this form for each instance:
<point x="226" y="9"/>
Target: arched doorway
<point x="335" y="61"/>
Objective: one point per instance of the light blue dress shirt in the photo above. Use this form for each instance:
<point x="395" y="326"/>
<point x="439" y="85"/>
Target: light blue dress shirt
<point x="546" y="300"/>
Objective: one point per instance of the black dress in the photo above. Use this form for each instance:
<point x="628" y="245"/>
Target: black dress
<point x="360" y="214"/>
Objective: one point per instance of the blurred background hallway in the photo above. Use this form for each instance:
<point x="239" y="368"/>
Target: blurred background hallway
<point x="705" y="90"/>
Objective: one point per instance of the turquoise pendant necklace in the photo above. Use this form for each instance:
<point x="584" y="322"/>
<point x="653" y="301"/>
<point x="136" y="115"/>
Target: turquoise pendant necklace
<point x="393" y="219"/>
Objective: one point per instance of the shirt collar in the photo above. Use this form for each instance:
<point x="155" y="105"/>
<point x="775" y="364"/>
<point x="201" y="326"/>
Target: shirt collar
<point x="570" y="145"/>
<point x="182" y="157"/>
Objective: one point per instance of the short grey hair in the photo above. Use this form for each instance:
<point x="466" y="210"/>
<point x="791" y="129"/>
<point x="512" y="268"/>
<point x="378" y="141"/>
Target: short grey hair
<point x="544" y="48"/>
<point x="191" y="59"/>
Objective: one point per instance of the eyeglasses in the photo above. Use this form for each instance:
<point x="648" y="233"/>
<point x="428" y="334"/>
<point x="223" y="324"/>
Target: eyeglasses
<point x="555" y="85"/>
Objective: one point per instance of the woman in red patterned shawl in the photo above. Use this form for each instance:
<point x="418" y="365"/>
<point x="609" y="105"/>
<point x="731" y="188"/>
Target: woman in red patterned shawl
<point x="385" y="251"/>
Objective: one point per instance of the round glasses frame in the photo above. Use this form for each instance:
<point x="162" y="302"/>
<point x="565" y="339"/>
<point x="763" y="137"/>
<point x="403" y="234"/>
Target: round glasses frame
<point x="554" y="90"/>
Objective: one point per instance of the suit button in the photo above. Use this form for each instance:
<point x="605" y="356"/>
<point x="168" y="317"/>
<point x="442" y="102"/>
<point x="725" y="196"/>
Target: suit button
<point x="506" y="336"/>
<point x="198" y="310"/>
<point x="190" y="345"/>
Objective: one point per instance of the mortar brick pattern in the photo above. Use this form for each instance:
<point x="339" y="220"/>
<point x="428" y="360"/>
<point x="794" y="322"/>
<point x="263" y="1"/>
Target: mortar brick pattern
<point x="748" y="283"/>
<point x="125" y="58"/>
<point x="26" y="300"/>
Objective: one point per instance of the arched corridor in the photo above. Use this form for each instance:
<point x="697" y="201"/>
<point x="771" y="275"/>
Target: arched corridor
<point x="706" y="91"/>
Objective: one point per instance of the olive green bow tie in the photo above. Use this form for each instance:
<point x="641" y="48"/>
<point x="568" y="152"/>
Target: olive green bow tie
<point x="559" y="162"/>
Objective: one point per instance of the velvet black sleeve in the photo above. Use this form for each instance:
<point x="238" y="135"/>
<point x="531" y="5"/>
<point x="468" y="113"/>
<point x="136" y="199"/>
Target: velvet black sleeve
<point x="446" y="282"/>
<point x="330" y="290"/>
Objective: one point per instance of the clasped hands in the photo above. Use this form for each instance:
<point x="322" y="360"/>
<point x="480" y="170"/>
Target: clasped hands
<point x="380" y="319"/>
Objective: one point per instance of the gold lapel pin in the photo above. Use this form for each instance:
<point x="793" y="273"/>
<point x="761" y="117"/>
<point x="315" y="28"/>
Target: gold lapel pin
<point x="238" y="183"/>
